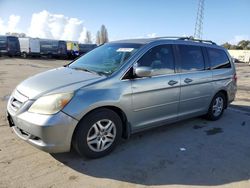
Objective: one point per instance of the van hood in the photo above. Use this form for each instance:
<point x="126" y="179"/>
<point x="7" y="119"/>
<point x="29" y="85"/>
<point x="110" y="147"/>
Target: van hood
<point x="56" y="80"/>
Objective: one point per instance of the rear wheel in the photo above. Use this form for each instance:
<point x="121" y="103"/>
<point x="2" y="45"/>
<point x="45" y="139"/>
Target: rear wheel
<point x="217" y="107"/>
<point x="98" y="133"/>
<point x="24" y="55"/>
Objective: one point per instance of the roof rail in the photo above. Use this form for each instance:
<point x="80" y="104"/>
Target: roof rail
<point x="197" y="40"/>
<point x="187" y="38"/>
<point x="168" y="37"/>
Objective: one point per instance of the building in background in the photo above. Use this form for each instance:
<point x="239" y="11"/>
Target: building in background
<point x="240" y="55"/>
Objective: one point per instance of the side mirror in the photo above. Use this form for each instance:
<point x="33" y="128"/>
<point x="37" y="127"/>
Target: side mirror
<point x="143" y="71"/>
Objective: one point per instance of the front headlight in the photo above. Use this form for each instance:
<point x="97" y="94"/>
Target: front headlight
<point x="50" y="104"/>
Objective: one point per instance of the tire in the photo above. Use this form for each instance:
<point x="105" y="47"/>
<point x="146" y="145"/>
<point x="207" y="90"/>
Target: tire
<point x="89" y="141"/>
<point x="49" y="56"/>
<point x="24" y="55"/>
<point x="216" y="107"/>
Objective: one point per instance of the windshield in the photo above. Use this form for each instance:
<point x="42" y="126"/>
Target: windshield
<point x="105" y="59"/>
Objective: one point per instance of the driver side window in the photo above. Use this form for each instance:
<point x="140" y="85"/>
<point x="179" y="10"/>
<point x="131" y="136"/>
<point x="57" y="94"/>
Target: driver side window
<point x="160" y="59"/>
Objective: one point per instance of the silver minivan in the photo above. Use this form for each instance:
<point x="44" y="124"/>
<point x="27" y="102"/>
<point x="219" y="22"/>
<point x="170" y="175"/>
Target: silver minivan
<point x="121" y="88"/>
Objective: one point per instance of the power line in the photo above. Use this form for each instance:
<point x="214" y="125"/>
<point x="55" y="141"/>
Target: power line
<point x="198" y="31"/>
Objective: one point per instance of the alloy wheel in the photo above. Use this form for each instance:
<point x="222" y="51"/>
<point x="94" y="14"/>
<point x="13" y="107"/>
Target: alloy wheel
<point x="218" y="106"/>
<point x="101" y="135"/>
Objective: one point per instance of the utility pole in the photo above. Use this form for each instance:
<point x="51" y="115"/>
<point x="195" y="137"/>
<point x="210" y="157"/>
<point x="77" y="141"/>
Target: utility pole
<point x="199" y="20"/>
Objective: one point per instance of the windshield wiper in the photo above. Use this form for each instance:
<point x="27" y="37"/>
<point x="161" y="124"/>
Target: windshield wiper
<point x="86" y="70"/>
<point x="103" y="73"/>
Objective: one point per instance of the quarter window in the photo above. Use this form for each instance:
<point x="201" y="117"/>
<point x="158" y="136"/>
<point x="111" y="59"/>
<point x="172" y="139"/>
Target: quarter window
<point x="191" y="58"/>
<point x="160" y="59"/>
<point x="218" y="59"/>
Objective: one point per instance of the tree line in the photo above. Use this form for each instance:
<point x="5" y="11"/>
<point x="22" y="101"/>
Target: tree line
<point x="242" y="45"/>
<point x="101" y="36"/>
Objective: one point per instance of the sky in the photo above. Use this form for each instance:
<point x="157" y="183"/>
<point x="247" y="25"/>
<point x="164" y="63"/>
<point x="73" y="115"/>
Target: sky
<point x="224" y="20"/>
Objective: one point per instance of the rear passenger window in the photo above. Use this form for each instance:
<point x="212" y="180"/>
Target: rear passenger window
<point x="191" y="58"/>
<point x="218" y="58"/>
<point x="160" y="59"/>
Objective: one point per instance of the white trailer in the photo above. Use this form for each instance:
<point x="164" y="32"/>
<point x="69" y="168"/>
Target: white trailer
<point x="29" y="46"/>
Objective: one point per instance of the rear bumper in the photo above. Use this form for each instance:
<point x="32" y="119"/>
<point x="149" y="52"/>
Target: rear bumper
<point x="50" y="133"/>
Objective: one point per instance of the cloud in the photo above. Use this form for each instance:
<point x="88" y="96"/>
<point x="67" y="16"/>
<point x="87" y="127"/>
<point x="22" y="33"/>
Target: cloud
<point x="39" y="25"/>
<point x="238" y="38"/>
<point x="11" y="25"/>
<point x="2" y="27"/>
<point x="151" y="35"/>
<point x="83" y="35"/>
<point x="56" y="26"/>
<point x="72" y="29"/>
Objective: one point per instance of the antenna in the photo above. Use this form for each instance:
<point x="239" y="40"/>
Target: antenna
<point x="199" y="20"/>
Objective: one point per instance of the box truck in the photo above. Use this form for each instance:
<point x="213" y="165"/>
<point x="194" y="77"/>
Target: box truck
<point x="9" y="45"/>
<point x="72" y="49"/>
<point x="29" y="47"/>
<point x="84" y="48"/>
<point x="53" y="48"/>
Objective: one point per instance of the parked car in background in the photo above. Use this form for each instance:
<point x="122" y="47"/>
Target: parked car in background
<point x="29" y="46"/>
<point x="53" y="48"/>
<point x="72" y="49"/>
<point x="9" y="45"/>
<point x="85" y="48"/>
<point x="121" y="88"/>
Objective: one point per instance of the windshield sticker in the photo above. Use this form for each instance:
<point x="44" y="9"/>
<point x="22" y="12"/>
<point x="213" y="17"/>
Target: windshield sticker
<point x="125" y="50"/>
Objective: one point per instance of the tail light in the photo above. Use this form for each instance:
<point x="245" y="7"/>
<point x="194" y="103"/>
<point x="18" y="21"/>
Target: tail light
<point x="235" y="77"/>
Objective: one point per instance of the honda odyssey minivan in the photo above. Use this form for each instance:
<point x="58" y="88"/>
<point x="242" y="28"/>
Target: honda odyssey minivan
<point x="121" y="88"/>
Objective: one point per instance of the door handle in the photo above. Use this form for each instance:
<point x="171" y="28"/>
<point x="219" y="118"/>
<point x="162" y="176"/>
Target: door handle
<point x="172" y="82"/>
<point x="188" y="80"/>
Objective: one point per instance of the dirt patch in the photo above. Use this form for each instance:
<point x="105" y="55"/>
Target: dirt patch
<point x="72" y="178"/>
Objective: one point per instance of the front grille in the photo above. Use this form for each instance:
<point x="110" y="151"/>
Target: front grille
<point x="17" y="100"/>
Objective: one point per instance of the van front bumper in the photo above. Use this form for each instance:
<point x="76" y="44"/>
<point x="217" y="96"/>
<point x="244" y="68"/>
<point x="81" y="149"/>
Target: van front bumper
<point x="50" y="133"/>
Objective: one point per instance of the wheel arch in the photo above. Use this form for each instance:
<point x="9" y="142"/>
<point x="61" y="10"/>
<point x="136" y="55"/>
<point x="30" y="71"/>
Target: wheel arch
<point x="224" y="92"/>
<point x="126" y="130"/>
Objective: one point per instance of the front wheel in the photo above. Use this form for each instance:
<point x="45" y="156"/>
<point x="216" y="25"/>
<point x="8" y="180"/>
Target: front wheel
<point x="217" y="107"/>
<point x="98" y="133"/>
